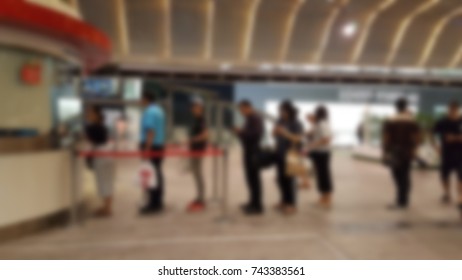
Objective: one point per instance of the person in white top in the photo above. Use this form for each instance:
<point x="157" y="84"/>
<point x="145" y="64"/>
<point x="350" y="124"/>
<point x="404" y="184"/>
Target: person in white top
<point x="319" y="151"/>
<point x="98" y="136"/>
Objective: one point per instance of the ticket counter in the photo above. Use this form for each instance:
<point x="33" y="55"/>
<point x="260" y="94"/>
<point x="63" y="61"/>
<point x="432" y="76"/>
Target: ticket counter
<point x="37" y="57"/>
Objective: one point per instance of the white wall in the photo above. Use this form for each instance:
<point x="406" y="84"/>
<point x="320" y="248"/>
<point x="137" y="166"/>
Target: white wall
<point x="33" y="185"/>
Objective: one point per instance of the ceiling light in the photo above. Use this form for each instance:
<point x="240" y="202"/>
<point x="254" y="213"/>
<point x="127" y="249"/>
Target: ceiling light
<point x="349" y="29"/>
<point x="287" y="67"/>
<point x="344" y="68"/>
<point x="411" y="71"/>
<point x="225" y="66"/>
<point x="265" y="67"/>
<point x="311" y="68"/>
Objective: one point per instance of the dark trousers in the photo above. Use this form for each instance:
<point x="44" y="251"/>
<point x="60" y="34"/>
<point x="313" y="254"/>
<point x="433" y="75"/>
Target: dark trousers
<point x="450" y="163"/>
<point x="321" y="163"/>
<point x="402" y="177"/>
<point x="156" y="195"/>
<point x="253" y="178"/>
<point x="286" y="183"/>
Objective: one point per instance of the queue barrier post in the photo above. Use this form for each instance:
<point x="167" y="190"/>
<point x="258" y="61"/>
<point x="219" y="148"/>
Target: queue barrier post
<point x="215" y="161"/>
<point x="76" y="185"/>
<point x="224" y="215"/>
<point x="215" y="176"/>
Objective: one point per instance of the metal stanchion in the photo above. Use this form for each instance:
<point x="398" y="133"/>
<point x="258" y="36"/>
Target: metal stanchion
<point x="75" y="188"/>
<point x="219" y="140"/>
<point x="224" y="215"/>
<point x="171" y="116"/>
<point x="215" y="171"/>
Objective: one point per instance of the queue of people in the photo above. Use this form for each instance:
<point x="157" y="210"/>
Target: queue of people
<point x="401" y="136"/>
<point x="289" y="138"/>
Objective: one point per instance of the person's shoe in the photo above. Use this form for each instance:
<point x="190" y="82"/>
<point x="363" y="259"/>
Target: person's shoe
<point x="279" y="207"/>
<point x="289" y="210"/>
<point x="252" y="210"/>
<point x="397" y="207"/>
<point x="245" y="206"/>
<point x="103" y="213"/>
<point x="304" y="185"/>
<point x="196" y="206"/>
<point x="324" y="204"/>
<point x="150" y="210"/>
<point x="446" y="199"/>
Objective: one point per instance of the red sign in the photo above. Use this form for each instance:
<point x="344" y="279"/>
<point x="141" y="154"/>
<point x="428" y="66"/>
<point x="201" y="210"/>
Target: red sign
<point x="31" y="73"/>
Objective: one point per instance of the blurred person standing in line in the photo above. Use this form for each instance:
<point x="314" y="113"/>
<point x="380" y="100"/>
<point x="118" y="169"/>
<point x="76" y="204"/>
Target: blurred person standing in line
<point x="98" y="136"/>
<point x="320" y="154"/>
<point x="251" y="135"/>
<point x="152" y="139"/>
<point x="448" y="130"/>
<point x="400" y="139"/>
<point x="288" y="134"/>
<point x="122" y="134"/>
<point x="198" y="139"/>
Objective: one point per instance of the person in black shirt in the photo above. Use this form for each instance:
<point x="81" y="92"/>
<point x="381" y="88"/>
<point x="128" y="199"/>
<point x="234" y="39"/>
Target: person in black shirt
<point x="400" y="139"/>
<point x="97" y="134"/>
<point x="288" y="134"/>
<point x="198" y="138"/>
<point x="448" y="131"/>
<point x="251" y="135"/>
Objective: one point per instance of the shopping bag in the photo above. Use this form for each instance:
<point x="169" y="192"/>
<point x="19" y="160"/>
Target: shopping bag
<point x="295" y="164"/>
<point x="146" y="176"/>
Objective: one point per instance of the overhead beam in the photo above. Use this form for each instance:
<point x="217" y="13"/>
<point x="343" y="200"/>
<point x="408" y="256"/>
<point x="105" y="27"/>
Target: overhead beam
<point x="429" y="46"/>
<point x="249" y="29"/>
<point x="326" y="30"/>
<point x="122" y="26"/>
<point x="167" y="29"/>
<point x="289" y="28"/>
<point x="209" y="28"/>
<point x="404" y="27"/>
<point x="456" y="58"/>
<point x="365" y="31"/>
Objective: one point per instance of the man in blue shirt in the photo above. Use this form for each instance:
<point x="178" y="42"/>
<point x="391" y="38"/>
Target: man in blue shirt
<point x="152" y="139"/>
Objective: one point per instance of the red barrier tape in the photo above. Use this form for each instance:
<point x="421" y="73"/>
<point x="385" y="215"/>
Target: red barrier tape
<point x="167" y="153"/>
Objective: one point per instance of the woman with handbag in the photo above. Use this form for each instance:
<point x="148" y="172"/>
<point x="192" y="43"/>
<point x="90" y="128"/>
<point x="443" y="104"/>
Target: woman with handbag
<point x="288" y="134"/>
<point x="98" y="136"/>
<point x="319" y="148"/>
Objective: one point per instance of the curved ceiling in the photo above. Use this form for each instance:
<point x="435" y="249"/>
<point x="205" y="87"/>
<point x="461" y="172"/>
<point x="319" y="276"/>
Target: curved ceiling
<point x="263" y="33"/>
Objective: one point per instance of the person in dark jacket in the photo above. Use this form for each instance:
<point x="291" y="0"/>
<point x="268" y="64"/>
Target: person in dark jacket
<point x="251" y="135"/>
<point x="198" y="140"/>
<point x="288" y="134"/>
<point x="448" y="130"/>
<point x="400" y="139"/>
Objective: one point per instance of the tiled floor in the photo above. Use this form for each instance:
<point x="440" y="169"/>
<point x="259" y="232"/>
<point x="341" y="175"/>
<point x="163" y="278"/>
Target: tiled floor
<point x="358" y="227"/>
